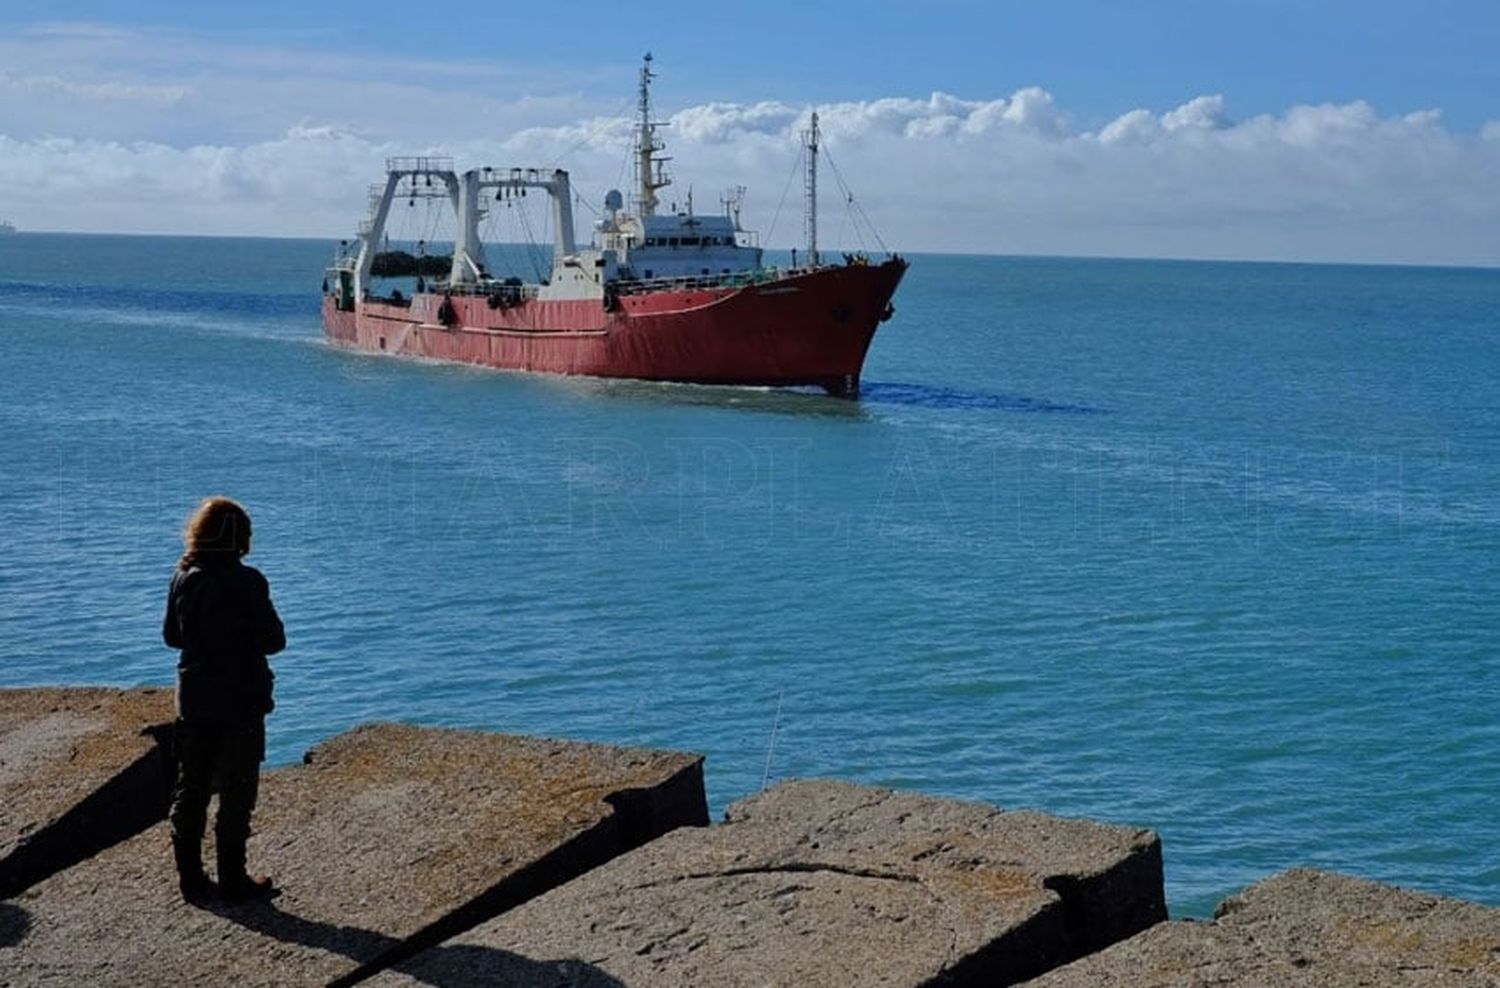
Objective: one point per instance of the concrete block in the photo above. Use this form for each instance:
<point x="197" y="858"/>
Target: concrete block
<point x="387" y="839"/>
<point x="824" y="883"/>
<point x="81" y="769"/>
<point x="1307" y="929"/>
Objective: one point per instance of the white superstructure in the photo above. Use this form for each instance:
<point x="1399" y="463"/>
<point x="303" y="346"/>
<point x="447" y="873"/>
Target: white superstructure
<point x="627" y="247"/>
<point x="678" y="244"/>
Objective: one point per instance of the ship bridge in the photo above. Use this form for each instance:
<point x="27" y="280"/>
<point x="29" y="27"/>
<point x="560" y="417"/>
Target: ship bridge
<point x="677" y="245"/>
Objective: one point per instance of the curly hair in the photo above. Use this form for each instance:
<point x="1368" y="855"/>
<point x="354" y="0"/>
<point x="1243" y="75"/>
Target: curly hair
<point x="218" y="527"/>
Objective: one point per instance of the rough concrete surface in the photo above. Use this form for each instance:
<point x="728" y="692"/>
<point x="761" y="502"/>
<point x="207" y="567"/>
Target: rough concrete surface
<point x="389" y="837"/>
<point x="1307" y="929"/>
<point x="80" y="769"/>
<point x="824" y="883"/>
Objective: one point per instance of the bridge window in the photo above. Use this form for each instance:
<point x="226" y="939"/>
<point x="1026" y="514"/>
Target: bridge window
<point x="671" y="241"/>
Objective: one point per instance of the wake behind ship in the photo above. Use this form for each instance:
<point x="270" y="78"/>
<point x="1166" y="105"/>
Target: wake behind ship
<point x="670" y="297"/>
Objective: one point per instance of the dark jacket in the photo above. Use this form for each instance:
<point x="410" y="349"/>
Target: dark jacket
<point x="220" y="614"/>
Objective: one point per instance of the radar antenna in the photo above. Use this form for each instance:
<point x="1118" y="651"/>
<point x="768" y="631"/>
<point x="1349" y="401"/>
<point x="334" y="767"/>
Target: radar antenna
<point x="650" y="164"/>
<point x="733" y="200"/>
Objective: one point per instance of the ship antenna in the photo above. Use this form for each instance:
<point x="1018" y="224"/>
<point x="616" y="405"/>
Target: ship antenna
<point x="810" y="139"/>
<point x="649" y="166"/>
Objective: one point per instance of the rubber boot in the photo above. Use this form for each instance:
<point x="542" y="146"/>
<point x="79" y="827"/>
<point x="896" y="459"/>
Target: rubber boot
<point x="191" y="880"/>
<point x="235" y="884"/>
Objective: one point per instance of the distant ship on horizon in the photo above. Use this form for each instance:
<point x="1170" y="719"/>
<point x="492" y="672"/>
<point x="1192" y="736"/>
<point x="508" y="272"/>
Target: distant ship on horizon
<point x="667" y="296"/>
<point x="6" y="226"/>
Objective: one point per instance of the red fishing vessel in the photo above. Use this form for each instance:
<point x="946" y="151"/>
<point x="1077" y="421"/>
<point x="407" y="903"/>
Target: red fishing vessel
<point x="674" y="297"/>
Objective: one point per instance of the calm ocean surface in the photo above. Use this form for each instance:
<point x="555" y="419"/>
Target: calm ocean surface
<point x="1208" y="548"/>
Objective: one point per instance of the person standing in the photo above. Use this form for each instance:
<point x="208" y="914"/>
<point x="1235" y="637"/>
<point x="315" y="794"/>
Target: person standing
<point x="219" y="613"/>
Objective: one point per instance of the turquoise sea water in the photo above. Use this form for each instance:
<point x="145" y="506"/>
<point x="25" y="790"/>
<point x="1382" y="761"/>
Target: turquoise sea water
<point x="1208" y="548"/>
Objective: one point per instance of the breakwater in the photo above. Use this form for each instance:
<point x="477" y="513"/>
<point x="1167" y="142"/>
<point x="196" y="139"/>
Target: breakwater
<point x="413" y="855"/>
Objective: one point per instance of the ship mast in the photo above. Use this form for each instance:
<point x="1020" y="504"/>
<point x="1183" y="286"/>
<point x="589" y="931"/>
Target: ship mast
<point x="650" y="167"/>
<point x="810" y="139"/>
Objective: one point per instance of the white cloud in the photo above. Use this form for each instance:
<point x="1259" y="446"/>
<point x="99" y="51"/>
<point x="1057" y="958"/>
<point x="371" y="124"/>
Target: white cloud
<point x="1423" y="118"/>
<point x="1203" y="113"/>
<point x="73" y="30"/>
<point x="185" y="88"/>
<point x="1030" y="110"/>
<point x="1033" y="109"/>
<point x="1137" y="125"/>
<point x="1308" y="126"/>
<point x="603" y="134"/>
<point x="17" y="86"/>
<point x="716" y="123"/>
<point x="1142" y="126"/>
<point x="1010" y="174"/>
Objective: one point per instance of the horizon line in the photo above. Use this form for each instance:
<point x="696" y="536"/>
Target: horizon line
<point x="1302" y="262"/>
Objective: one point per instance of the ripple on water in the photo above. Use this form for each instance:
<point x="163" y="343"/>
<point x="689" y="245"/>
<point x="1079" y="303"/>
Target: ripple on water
<point x="1137" y="554"/>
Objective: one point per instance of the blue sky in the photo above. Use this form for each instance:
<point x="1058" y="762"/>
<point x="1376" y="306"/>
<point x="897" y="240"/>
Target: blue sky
<point x="1334" y="96"/>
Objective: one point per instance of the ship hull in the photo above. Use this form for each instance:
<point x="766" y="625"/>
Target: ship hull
<point x="809" y="328"/>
